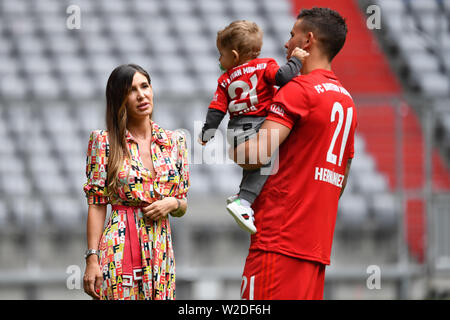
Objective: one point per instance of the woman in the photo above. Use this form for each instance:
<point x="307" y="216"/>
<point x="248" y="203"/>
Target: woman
<point x="142" y="171"/>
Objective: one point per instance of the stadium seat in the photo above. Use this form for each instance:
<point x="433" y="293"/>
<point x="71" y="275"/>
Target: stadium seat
<point x="26" y="215"/>
<point x="208" y="7"/>
<point x="65" y="213"/>
<point x="385" y="210"/>
<point x="434" y="84"/>
<point x="422" y="62"/>
<point x="371" y="182"/>
<point x="353" y="211"/>
<point x="61" y="44"/>
<point x="4" y="219"/>
<point x="12" y="87"/>
<point x="8" y="66"/>
<point x="12" y="7"/>
<point x="15" y="184"/>
<point x="396" y="6"/>
<point x="446" y="4"/>
<point x="424" y="6"/>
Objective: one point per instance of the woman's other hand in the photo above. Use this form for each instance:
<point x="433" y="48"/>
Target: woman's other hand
<point x="93" y="278"/>
<point x="160" y="208"/>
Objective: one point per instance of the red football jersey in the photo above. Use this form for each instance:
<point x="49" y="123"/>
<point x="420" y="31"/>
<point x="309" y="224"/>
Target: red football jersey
<point x="246" y="89"/>
<point x="296" y="210"/>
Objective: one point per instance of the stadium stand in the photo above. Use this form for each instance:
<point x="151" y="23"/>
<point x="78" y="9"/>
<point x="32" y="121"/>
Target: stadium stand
<point x="52" y="82"/>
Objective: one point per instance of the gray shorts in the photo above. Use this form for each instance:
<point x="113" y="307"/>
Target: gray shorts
<point x="241" y="129"/>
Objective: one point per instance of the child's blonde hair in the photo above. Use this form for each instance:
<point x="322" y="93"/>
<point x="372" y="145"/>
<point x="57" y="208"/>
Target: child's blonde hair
<point x="243" y="36"/>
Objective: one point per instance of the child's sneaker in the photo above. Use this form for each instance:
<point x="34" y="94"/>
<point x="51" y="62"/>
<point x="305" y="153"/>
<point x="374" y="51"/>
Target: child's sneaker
<point x="232" y="198"/>
<point x="242" y="214"/>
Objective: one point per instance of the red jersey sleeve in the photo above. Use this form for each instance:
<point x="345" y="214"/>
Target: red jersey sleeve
<point x="220" y="100"/>
<point x="289" y="104"/>
<point x="271" y="71"/>
<point x="351" y="145"/>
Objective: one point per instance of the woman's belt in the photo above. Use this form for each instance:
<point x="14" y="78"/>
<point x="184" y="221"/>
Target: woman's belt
<point x="132" y="259"/>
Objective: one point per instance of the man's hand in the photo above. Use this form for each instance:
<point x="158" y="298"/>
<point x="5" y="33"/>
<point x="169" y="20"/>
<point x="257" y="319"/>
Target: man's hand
<point x="256" y="152"/>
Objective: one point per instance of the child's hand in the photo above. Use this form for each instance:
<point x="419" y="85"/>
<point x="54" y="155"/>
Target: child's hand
<point x="203" y="143"/>
<point x="299" y="54"/>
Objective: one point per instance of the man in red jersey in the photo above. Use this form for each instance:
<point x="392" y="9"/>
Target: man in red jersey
<point x="315" y="120"/>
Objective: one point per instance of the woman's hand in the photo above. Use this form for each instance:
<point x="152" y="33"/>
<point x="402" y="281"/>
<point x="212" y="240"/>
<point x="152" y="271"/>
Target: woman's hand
<point x="160" y="208"/>
<point x="92" y="280"/>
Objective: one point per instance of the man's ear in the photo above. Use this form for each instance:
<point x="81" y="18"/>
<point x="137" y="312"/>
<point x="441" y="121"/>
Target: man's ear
<point x="235" y="56"/>
<point x="310" y="39"/>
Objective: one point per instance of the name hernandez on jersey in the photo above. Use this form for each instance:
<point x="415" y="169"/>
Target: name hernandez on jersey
<point x="246" y="89"/>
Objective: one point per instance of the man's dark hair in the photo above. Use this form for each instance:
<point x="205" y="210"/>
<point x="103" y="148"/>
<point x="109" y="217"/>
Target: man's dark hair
<point x="328" y="26"/>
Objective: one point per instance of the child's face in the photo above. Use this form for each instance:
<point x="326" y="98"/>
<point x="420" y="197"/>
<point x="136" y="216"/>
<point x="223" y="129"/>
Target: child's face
<point x="227" y="58"/>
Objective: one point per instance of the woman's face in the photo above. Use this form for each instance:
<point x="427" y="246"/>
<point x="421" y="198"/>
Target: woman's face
<point x="140" y="99"/>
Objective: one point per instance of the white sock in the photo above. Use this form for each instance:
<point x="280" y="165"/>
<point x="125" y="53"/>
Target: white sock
<point x="245" y="203"/>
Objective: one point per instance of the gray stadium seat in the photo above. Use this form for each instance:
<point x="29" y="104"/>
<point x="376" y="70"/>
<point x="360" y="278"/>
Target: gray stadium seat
<point x="421" y="62"/>
<point x="80" y="86"/>
<point x="13" y="7"/>
<point x="446" y="4"/>
<point x="29" y="44"/>
<point x="45" y="86"/>
<point x="195" y="44"/>
<point x="178" y="8"/>
<point x="151" y="8"/>
<point x="211" y="7"/>
<point x="425" y="6"/>
<point x="15" y="184"/>
<point x="65" y="212"/>
<point x="398" y="23"/>
<point x="434" y="84"/>
<point x="62" y="44"/>
<point x="13" y="87"/>
<point x="243" y="7"/>
<point x="353" y="211"/>
<point x="8" y="65"/>
<point x="275" y="7"/>
<point x="48" y="7"/>
<point x="385" y="210"/>
<point x="4" y="219"/>
<point x="370" y="182"/>
<point x="28" y="214"/>
<point x="11" y="163"/>
<point x="6" y="46"/>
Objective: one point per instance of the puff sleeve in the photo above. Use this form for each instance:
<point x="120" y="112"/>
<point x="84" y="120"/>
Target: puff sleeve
<point x="182" y="164"/>
<point x="96" y="168"/>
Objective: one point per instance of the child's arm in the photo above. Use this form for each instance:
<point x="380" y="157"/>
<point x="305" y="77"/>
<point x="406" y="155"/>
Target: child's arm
<point x="291" y="68"/>
<point x="213" y="119"/>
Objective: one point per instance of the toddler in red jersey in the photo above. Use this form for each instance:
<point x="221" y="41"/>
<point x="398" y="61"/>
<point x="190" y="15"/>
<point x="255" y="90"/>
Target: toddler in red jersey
<point x="245" y="91"/>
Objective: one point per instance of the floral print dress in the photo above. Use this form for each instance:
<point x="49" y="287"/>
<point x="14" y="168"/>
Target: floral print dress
<point x="137" y="187"/>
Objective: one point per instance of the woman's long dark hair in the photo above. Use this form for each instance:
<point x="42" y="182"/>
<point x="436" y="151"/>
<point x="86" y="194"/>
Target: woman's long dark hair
<point x="117" y="90"/>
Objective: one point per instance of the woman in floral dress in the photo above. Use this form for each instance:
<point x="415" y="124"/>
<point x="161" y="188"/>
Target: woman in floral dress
<point x="142" y="171"/>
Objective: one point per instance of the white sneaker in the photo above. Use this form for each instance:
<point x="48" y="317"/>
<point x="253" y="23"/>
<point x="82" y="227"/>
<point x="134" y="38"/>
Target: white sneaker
<point x="242" y="214"/>
<point x="232" y="198"/>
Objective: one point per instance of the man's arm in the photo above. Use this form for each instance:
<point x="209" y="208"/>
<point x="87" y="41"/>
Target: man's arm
<point x="256" y="152"/>
<point x="347" y="170"/>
